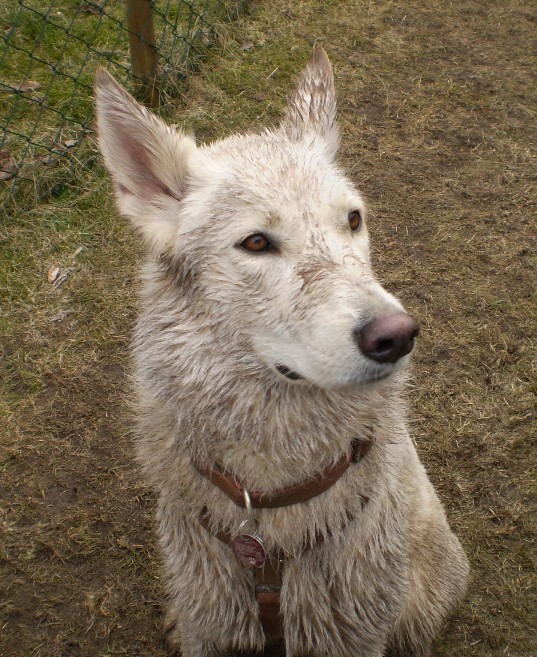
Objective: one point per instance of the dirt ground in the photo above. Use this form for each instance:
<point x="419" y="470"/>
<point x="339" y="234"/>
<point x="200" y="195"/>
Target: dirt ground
<point x="437" y="103"/>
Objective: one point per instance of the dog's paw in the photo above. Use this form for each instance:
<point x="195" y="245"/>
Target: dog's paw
<point x="171" y="634"/>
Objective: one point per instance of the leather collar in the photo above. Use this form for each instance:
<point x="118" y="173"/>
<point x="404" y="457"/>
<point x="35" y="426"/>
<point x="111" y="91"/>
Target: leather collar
<point x="294" y="494"/>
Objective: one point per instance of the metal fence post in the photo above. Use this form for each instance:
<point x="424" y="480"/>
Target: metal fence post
<point x="143" y="49"/>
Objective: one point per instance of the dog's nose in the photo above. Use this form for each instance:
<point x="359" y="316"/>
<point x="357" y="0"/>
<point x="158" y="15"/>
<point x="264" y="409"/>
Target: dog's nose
<point x="388" y="338"/>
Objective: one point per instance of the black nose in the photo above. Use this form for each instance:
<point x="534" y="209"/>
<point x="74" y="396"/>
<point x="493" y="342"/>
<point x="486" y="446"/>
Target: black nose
<point x="388" y="338"/>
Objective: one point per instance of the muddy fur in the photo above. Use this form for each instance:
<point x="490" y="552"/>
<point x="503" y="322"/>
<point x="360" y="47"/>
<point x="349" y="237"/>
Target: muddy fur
<point x="216" y="320"/>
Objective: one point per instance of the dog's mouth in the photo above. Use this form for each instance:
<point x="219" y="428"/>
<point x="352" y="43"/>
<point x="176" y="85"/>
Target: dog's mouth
<point x="381" y="376"/>
<point x="289" y="374"/>
<point x="371" y="380"/>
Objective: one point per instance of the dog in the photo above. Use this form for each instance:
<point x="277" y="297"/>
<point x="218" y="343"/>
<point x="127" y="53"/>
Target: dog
<point x="270" y="375"/>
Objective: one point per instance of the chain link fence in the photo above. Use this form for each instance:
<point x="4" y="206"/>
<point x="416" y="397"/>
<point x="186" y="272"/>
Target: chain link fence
<point x="48" y="57"/>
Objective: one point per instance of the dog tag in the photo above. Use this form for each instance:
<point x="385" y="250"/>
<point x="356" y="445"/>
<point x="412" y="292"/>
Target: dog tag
<point x="249" y="550"/>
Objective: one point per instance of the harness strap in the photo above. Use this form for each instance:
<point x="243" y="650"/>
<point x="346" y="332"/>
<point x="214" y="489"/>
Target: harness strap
<point x="268" y="584"/>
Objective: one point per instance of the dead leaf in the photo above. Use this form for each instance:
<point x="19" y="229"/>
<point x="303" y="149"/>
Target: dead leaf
<point x="70" y="143"/>
<point x="90" y="8"/>
<point x="53" y="274"/>
<point x="25" y="86"/>
<point x="47" y="159"/>
<point x="61" y="316"/>
<point x="8" y="166"/>
<point x="62" y="277"/>
<point x="78" y="252"/>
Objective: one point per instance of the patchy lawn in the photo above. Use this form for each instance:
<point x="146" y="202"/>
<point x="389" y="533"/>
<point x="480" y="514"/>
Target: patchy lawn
<point x="437" y="107"/>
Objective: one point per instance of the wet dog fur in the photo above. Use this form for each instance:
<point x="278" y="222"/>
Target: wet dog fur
<point x="252" y="358"/>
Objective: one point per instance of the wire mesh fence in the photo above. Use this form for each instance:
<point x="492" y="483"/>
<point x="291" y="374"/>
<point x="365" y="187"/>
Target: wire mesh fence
<point x="48" y="58"/>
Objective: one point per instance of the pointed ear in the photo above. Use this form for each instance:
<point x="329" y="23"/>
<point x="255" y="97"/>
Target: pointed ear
<point x="312" y="109"/>
<point x="148" y="161"/>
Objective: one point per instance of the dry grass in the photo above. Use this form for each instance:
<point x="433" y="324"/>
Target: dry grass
<point x="437" y="105"/>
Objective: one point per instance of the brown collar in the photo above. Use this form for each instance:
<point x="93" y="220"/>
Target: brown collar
<point x="295" y="494"/>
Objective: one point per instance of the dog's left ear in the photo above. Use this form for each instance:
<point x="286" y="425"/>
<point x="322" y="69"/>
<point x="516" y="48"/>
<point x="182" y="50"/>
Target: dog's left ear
<point x="312" y="109"/>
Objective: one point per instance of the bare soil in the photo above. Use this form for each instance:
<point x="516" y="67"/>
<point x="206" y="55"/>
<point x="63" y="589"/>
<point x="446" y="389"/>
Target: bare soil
<point x="437" y="108"/>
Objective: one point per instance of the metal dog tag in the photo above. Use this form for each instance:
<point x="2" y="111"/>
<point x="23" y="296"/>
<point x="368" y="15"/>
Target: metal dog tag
<point x="249" y="550"/>
<point x="248" y="547"/>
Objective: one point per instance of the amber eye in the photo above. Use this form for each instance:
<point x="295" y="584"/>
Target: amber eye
<point x="355" y="219"/>
<point x="256" y="243"/>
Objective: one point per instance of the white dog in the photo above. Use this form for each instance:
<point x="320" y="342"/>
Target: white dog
<point x="269" y="373"/>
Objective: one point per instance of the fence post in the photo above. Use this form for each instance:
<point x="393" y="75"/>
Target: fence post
<point x="143" y="49"/>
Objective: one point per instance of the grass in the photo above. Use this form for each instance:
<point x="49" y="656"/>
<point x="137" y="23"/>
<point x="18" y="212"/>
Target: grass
<point x="437" y="107"/>
<point x="57" y="46"/>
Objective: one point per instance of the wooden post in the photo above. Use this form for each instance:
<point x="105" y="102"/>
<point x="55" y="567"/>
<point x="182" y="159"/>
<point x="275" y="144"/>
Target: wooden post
<point x="143" y="49"/>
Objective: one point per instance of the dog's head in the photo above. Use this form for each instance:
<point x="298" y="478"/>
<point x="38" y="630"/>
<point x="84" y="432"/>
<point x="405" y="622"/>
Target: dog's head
<point x="270" y="230"/>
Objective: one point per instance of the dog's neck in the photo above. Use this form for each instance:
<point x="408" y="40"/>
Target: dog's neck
<point x="253" y="422"/>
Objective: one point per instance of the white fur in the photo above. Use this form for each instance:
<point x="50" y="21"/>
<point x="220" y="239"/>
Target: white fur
<point x="216" y="321"/>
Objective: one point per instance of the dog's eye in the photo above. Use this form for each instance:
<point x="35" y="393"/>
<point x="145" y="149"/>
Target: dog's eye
<point x="256" y="243"/>
<point x="355" y="219"/>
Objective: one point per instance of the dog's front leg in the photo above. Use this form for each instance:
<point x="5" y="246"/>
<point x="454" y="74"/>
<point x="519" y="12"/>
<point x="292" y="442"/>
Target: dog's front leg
<point x="333" y="606"/>
<point x="438" y="579"/>
<point x="211" y="604"/>
<point x="186" y="641"/>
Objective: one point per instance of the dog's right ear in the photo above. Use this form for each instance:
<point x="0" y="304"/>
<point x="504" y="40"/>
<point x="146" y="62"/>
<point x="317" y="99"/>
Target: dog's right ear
<point x="148" y="160"/>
